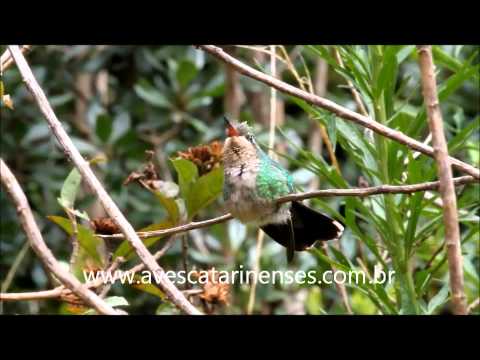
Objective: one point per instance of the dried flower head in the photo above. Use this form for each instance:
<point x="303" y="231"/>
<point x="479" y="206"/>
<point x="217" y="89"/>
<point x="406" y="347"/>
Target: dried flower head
<point x="214" y="291"/>
<point x="148" y="177"/>
<point x="206" y="157"/>
<point x="70" y="298"/>
<point x="105" y="226"/>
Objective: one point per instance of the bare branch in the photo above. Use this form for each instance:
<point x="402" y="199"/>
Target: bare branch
<point x="35" y="295"/>
<point x="87" y="174"/>
<point x="335" y="108"/>
<point x="375" y="190"/>
<point x="36" y="241"/>
<point x="16" y="263"/>
<point x="368" y="191"/>
<point x="178" y="229"/>
<point x="446" y="187"/>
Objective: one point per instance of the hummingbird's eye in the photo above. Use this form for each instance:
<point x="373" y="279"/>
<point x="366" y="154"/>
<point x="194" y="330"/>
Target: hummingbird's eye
<point x="249" y="138"/>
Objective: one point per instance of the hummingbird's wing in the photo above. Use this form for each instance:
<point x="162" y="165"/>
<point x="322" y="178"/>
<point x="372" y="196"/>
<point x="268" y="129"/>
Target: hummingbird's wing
<point x="308" y="226"/>
<point x="291" y="242"/>
<point x="272" y="180"/>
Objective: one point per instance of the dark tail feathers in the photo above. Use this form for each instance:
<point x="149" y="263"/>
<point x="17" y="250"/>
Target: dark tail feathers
<point x="308" y="226"/>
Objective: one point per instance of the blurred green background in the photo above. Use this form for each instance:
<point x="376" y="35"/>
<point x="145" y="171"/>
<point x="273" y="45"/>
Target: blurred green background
<point x="123" y="100"/>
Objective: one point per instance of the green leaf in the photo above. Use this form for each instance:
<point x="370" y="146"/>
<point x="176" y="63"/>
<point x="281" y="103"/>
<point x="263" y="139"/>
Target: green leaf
<point x="325" y="259"/>
<point x="187" y="174"/>
<point x="92" y="244"/>
<point x="355" y="66"/>
<point x="448" y="61"/>
<point x="350" y="205"/>
<point x="340" y="257"/>
<point x="422" y="278"/>
<point x="387" y="76"/>
<point x="314" y="302"/>
<point x="438" y="300"/>
<point x="455" y="81"/>
<point x="205" y="190"/>
<point x="166" y="193"/>
<point x="151" y="95"/>
<point x="186" y="72"/>
<point x="103" y="127"/>
<point x="462" y="136"/>
<point x="332" y="130"/>
<point x="70" y="189"/>
<point x="81" y="214"/>
<point x="324" y="53"/>
<point x="445" y="89"/>
<point x="404" y="53"/>
<point x="113" y="301"/>
<point x="362" y="304"/>
<point x="147" y="287"/>
<point x="474" y="154"/>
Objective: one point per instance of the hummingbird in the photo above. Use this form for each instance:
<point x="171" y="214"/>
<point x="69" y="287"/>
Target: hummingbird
<point x="253" y="182"/>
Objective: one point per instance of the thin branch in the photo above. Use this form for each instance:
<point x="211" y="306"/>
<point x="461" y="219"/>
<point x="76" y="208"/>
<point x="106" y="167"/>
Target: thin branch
<point x="38" y="245"/>
<point x="446" y="187"/>
<point x="178" y="229"/>
<point x="16" y="263"/>
<point x="434" y="256"/>
<point x="103" y="290"/>
<point x="156" y="256"/>
<point x="375" y="190"/>
<point x="185" y="258"/>
<point x="87" y="174"/>
<point x="334" y="108"/>
<point x="192" y="292"/>
<point x="35" y="295"/>
<point x="368" y="191"/>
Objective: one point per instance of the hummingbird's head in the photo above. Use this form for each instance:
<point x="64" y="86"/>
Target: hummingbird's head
<point x="240" y="145"/>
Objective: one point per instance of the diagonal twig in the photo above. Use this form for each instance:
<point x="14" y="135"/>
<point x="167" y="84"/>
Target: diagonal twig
<point x="38" y="244"/>
<point x="335" y="108"/>
<point x="446" y="187"/>
<point x="87" y="174"/>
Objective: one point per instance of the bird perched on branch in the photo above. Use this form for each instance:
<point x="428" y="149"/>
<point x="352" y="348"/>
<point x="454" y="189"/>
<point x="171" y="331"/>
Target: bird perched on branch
<point x="253" y="182"/>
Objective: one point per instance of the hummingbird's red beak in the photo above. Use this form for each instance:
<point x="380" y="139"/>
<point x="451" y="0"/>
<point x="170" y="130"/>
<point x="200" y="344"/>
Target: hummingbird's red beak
<point x="231" y="130"/>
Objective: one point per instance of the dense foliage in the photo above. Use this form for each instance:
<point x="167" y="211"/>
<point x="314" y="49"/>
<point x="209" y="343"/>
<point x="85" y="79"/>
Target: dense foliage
<point x="121" y="101"/>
